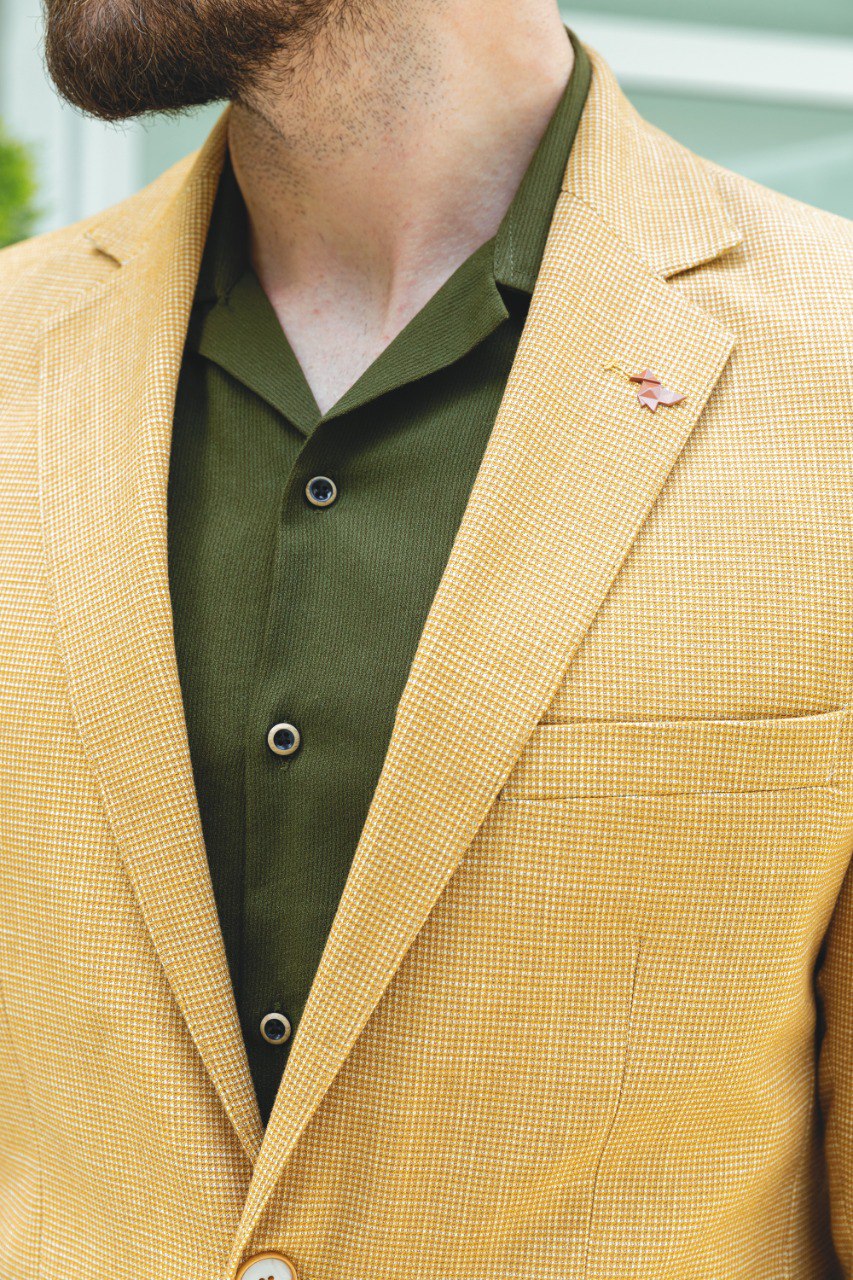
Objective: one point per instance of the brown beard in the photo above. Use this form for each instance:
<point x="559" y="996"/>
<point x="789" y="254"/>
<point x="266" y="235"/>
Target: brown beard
<point x="116" y="59"/>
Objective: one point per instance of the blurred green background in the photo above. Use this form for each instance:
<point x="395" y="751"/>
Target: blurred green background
<point x="763" y="86"/>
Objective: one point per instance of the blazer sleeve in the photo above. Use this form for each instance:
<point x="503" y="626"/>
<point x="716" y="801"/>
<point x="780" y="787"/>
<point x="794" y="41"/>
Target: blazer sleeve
<point x="834" y="984"/>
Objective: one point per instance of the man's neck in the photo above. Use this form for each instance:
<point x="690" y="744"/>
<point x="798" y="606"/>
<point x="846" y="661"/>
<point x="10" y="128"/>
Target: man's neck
<point x="374" y="170"/>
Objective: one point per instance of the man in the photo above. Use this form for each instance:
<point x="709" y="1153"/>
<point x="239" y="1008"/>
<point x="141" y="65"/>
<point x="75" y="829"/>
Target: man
<point x="427" y="769"/>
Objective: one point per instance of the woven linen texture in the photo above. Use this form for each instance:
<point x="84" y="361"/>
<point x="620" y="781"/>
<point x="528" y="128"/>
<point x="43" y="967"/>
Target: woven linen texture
<point x="566" y="1023"/>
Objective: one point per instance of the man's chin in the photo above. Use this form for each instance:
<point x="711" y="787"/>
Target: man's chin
<point x="116" y="60"/>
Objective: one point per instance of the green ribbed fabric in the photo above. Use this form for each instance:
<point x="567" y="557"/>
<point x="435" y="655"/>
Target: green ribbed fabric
<point x="285" y="611"/>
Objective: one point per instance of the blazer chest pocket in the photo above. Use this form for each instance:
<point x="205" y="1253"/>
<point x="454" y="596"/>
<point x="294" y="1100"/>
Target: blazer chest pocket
<point x="676" y="757"/>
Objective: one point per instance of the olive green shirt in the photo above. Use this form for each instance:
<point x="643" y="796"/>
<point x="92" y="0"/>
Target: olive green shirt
<point x="290" y="612"/>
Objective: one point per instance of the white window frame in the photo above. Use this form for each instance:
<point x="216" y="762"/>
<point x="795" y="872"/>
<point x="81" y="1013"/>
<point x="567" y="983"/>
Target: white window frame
<point x="729" y="62"/>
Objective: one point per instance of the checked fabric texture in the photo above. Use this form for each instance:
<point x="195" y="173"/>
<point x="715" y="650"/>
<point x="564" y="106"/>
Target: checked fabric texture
<point x="586" y="1009"/>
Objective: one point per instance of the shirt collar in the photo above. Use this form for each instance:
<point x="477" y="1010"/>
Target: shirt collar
<point x="226" y="252"/>
<point x="520" y="240"/>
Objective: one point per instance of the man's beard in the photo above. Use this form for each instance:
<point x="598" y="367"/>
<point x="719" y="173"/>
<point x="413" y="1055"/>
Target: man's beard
<point x="120" y="58"/>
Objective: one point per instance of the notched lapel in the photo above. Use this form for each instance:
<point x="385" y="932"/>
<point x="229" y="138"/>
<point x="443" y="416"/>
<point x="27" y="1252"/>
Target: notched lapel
<point x="572" y="469"/>
<point x="573" y="466"/>
<point x="109" y="370"/>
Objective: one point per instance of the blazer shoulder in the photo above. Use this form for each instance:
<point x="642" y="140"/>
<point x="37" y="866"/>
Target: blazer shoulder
<point x="783" y="237"/>
<point x="45" y="274"/>
<point x="772" y="220"/>
<point x="792" y="268"/>
<point x="765" y="216"/>
<point x="22" y="264"/>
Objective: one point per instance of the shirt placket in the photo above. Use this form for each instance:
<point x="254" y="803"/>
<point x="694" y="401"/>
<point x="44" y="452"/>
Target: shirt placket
<point x="293" y="871"/>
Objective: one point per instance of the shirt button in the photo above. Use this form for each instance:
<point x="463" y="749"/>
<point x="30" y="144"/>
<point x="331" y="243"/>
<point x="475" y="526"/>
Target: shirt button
<point x="284" y="739"/>
<point x="321" y="491"/>
<point x="267" y="1266"/>
<point x="275" y="1028"/>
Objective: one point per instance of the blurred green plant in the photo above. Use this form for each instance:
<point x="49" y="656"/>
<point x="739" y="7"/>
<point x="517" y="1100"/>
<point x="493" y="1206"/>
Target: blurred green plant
<point x="17" y="191"/>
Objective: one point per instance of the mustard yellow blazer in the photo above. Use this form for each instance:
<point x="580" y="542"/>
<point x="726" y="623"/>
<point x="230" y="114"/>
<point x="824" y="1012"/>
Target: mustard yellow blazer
<point x="586" y="1010"/>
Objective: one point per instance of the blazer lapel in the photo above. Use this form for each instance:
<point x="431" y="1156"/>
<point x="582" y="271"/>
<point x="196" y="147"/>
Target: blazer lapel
<point x="109" y="367"/>
<point x="571" y="471"/>
<point x="573" y="466"/>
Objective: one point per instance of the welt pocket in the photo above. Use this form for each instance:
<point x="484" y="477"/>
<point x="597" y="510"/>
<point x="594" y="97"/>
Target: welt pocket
<point x="672" y="757"/>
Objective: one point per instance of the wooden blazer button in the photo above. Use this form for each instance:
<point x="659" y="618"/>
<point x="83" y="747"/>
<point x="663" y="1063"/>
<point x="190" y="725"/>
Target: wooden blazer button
<point x="268" y="1266"/>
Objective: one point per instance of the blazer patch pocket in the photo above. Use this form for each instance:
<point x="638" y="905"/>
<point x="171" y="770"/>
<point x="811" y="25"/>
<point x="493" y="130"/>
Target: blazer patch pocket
<point x="674" y="757"/>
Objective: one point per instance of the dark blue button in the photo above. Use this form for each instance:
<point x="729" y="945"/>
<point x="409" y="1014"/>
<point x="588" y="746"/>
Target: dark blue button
<point x="321" y="491"/>
<point x="284" y="739"/>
